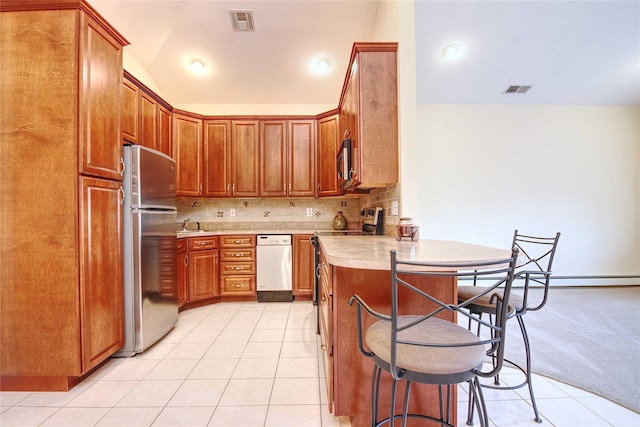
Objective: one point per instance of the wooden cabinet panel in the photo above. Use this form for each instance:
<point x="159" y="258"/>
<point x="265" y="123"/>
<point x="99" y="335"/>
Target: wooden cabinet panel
<point x="238" y="241"/>
<point x="61" y="305"/>
<point x="238" y="285"/>
<point x="369" y="113"/>
<point x="148" y="121"/>
<point x="245" y="177"/>
<point x="217" y="158"/>
<point x="182" y="260"/>
<point x="203" y="275"/>
<point x="101" y="83"/>
<point x="101" y="286"/>
<point x="238" y="265"/>
<point x="129" y="111"/>
<point x="327" y="152"/>
<point x="273" y="158"/>
<point x="301" y="158"/>
<point x="200" y="243"/>
<point x="163" y="141"/>
<point x="187" y="152"/>
<point x="237" y="254"/>
<point x="303" y="260"/>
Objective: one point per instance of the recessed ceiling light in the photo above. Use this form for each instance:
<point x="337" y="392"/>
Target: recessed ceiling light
<point x="452" y="51"/>
<point x="321" y="65"/>
<point x="197" y="66"/>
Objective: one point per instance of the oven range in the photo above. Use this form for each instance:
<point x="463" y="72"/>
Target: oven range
<point x="372" y="224"/>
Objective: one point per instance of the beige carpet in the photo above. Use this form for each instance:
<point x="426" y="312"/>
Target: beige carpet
<point x="588" y="337"/>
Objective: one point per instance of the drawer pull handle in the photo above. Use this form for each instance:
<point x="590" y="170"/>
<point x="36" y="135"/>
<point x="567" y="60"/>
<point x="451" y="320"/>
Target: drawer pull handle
<point x="237" y="286"/>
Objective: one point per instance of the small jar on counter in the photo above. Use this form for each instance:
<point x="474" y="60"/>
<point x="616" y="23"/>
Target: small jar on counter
<point x="406" y="229"/>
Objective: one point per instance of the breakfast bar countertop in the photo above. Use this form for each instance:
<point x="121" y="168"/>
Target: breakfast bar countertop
<point x="372" y="252"/>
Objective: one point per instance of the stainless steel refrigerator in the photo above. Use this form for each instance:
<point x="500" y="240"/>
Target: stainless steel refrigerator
<point x="149" y="230"/>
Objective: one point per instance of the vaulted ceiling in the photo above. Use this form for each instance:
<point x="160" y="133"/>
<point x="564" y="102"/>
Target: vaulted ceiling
<point x="569" y="52"/>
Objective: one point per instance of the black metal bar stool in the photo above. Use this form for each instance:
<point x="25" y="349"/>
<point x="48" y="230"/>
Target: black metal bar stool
<point x="534" y="263"/>
<point x="420" y="347"/>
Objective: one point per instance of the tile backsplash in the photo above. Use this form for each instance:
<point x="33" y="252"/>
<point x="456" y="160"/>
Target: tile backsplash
<point x="285" y="214"/>
<point x="265" y="214"/>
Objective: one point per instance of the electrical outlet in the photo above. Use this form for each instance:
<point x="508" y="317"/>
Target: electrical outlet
<point x="394" y="207"/>
<point x="309" y="212"/>
<point x="232" y="212"/>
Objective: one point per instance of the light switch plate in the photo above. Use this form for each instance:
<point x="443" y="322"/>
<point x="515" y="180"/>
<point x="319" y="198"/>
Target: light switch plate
<point x="394" y="207"/>
<point x="309" y="212"/>
<point x="232" y="212"/>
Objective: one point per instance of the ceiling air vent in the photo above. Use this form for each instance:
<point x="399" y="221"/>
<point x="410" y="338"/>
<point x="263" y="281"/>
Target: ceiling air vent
<point x="517" y="89"/>
<point x="242" y="20"/>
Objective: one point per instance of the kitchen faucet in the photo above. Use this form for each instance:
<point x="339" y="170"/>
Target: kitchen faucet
<point x="185" y="223"/>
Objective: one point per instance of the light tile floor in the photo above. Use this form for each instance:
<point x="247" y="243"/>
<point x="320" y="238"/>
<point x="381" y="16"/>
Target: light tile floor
<point x="251" y="364"/>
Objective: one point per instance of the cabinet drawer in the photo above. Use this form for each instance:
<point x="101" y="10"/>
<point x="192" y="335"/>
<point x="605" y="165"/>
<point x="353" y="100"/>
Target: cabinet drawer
<point x="181" y="246"/>
<point x="238" y="285"/>
<point x="201" y="243"/>
<point x="238" y="241"/>
<point x="238" y="254"/>
<point x="238" y="267"/>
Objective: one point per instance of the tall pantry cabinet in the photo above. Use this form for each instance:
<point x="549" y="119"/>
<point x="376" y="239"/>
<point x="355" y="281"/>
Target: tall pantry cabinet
<point x="61" y="308"/>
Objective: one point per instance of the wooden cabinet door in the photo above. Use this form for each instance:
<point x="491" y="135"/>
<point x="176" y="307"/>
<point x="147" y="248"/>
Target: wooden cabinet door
<point x="100" y="88"/>
<point x="148" y="121"/>
<point x="163" y="140"/>
<point x="301" y="158"/>
<point x="273" y="158"/>
<point x="303" y="268"/>
<point x="203" y="275"/>
<point x="245" y="152"/>
<point x="187" y="152"/>
<point x="182" y="271"/>
<point x="327" y="152"/>
<point x="217" y="158"/>
<point x="101" y="282"/>
<point x="129" y="111"/>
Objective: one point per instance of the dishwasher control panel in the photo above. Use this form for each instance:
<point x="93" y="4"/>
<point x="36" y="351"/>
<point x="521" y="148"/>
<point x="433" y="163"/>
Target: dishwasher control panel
<point x="274" y="239"/>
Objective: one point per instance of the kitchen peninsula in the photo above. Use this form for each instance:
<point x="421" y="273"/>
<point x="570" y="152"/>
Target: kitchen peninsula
<point x="361" y="264"/>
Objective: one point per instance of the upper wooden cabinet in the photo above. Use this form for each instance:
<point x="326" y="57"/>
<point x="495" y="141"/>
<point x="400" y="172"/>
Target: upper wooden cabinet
<point x="62" y="285"/>
<point x="164" y="139"/>
<point x="287" y="158"/>
<point x="327" y="151"/>
<point x="245" y="178"/>
<point x="100" y="82"/>
<point x="369" y="114"/>
<point x="129" y="112"/>
<point x="145" y="118"/>
<point x="148" y="121"/>
<point x="217" y="158"/>
<point x="187" y="152"/>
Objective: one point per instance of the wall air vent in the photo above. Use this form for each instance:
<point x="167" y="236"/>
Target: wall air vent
<point x="242" y="20"/>
<point x="517" y="89"/>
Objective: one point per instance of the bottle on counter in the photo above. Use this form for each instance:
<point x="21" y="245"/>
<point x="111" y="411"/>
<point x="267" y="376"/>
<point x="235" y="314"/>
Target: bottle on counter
<point x="339" y="222"/>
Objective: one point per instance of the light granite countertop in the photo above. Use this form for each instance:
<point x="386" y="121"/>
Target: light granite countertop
<point x="372" y="252"/>
<point x="225" y="232"/>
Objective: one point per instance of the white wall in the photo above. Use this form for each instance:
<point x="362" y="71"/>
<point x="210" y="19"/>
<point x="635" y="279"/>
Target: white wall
<point x="477" y="172"/>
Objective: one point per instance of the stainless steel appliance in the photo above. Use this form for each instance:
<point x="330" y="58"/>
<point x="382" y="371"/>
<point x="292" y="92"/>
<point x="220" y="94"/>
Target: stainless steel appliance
<point x="344" y="164"/>
<point x="273" y="267"/>
<point x="372" y="220"/>
<point x="149" y="230"/>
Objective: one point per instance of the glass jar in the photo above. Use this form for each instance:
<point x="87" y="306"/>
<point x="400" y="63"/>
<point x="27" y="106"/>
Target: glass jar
<point x="406" y="228"/>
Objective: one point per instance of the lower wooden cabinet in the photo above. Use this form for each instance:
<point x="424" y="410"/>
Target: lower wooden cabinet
<point x="303" y="254"/>
<point x="182" y="271"/>
<point x="198" y="269"/>
<point x="238" y="266"/>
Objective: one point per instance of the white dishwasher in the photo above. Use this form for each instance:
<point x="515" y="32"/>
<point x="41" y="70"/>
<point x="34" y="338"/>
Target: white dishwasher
<point x="273" y="267"/>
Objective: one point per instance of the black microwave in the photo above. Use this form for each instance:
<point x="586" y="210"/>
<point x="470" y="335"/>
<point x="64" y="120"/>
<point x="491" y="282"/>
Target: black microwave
<point x="344" y="164"/>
